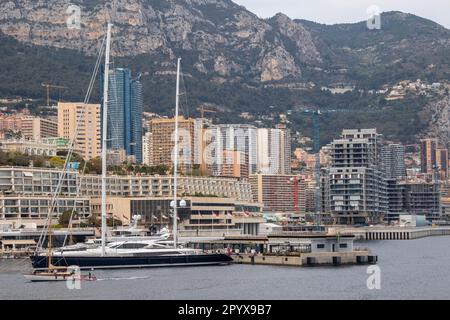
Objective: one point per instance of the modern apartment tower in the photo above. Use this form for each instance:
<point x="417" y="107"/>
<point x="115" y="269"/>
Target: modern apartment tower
<point x="428" y="148"/>
<point x="125" y="110"/>
<point x="433" y="158"/>
<point x="147" y="149"/>
<point x="357" y="189"/>
<point x="273" y="151"/>
<point x="393" y="161"/>
<point x="233" y="137"/>
<point x="266" y="150"/>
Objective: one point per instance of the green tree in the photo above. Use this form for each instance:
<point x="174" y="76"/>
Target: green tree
<point x="94" y="221"/>
<point x="64" y="218"/>
<point x="93" y="166"/>
<point x="19" y="159"/>
<point x="57" y="162"/>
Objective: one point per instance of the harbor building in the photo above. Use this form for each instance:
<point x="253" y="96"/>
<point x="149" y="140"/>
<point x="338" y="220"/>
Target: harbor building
<point x="37" y="181"/>
<point x="393" y="161"/>
<point x="279" y="193"/>
<point x="81" y="122"/>
<point x="202" y="216"/>
<point x="125" y="109"/>
<point x="162" y="186"/>
<point x="36" y="128"/>
<point x="25" y="192"/>
<point x="36" y="208"/>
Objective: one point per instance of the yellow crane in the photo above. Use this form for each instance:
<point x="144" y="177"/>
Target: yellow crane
<point x="48" y="86"/>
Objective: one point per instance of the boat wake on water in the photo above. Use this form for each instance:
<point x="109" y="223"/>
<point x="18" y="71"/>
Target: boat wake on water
<point x="123" y="278"/>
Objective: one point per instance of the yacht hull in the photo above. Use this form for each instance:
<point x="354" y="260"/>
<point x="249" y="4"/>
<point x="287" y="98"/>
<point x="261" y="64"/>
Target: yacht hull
<point x="117" y="262"/>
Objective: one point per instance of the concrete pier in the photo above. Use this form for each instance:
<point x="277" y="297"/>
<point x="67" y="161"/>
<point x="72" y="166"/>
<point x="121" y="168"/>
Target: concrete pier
<point x="308" y="259"/>
<point x="392" y="233"/>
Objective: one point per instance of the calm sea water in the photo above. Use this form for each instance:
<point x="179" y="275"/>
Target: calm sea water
<point x="416" y="269"/>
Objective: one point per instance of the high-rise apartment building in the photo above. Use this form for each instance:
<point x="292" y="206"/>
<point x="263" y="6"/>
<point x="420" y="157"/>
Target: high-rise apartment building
<point x="147" y="149"/>
<point x="279" y="192"/>
<point x="428" y="149"/>
<point x="36" y="128"/>
<point x="356" y="188"/>
<point x="393" y="161"/>
<point x="433" y="158"/>
<point x="273" y="151"/>
<point x="125" y="110"/>
<point x="162" y="142"/>
<point x="267" y="150"/>
<point x="235" y="164"/>
<point x="234" y="137"/>
<point x="442" y="163"/>
<point x="81" y="122"/>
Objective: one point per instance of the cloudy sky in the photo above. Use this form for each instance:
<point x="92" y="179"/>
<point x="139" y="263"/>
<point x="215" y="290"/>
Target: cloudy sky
<point x="338" y="11"/>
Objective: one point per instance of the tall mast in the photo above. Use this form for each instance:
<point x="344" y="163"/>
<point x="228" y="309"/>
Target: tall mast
<point x="175" y="161"/>
<point x="49" y="254"/>
<point x="104" y="134"/>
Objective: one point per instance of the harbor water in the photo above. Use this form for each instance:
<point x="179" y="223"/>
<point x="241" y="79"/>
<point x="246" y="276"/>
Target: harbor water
<point x="414" y="269"/>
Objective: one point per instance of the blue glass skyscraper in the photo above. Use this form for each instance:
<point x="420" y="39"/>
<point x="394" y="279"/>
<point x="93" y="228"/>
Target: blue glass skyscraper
<point x="137" y="106"/>
<point x="125" y="109"/>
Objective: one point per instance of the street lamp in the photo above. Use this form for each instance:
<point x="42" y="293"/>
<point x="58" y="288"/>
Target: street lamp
<point x="175" y="207"/>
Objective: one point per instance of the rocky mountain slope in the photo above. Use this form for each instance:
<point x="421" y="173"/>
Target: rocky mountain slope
<point x="231" y="58"/>
<point x="228" y="43"/>
<point x="223" y="38"/>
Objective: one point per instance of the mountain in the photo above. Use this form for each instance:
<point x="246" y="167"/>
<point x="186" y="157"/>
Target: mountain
<point x="218" y="36"/>
<point x="232" y="59"/>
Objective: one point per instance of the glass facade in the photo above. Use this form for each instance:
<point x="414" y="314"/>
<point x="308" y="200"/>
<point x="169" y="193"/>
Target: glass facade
<point x="125" y="113"/>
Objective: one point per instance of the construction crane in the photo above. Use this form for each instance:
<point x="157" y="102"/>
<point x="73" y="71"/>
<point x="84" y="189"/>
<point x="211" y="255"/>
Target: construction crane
<point x="48" y="86"/>
<point x="317" y="170"/>
<point x="203" y="110"/>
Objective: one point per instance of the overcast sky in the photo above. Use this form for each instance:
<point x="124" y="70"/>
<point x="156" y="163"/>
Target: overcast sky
<point x="338" y="11"/>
